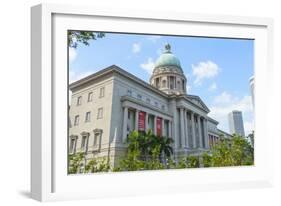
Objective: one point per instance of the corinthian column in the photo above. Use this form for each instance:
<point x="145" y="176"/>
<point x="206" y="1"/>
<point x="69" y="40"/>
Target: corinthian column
<point x="200" y="132"/>
<point x="182" y="128"/>
<point x="186" y="130"/>
<point x="137" y="120"/>
<point x="206" y="133"/>
<point x="193" y="130"/>
<point x="155" y="125"/>
<point x="146" y="121"/>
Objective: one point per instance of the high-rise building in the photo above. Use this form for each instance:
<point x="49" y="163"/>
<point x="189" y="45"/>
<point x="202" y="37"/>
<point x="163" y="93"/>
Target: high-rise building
<point x="236" y="125"/>
<point x="252" y="81"/>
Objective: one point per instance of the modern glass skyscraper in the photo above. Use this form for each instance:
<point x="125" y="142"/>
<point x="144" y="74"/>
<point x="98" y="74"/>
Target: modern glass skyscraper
<point x="236" y="124"/>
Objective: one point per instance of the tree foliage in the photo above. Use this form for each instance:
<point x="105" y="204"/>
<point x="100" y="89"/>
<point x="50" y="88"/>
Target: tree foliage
<point x="84" y="37"/>
<point x="75" y="162"/>
<point x="234" y="152"/>
<point x="146" y="151"/>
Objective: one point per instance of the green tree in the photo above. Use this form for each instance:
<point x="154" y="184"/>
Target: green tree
<point x="207" y="159"/>
<point x="230" y="152"/>
<point x="96" y="165"/>
<point x="242" y="151"/>
<point x="221" y="154"/>
<point x="132" y="160"/>
<point x="189" y="161"/>
<point x="154" y="162"/>
<point x="75" y="37"/>
<point x="75" y="162"/>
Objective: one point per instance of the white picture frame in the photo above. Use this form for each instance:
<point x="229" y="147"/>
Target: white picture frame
<point x="49" y="179"/>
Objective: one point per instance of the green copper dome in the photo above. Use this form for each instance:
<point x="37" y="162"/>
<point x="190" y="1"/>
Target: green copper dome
<point x="167" y="59"/>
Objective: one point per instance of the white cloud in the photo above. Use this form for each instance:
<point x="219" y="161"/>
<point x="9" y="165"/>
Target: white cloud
<point x="148" y="66"/>
<point x="136" y="48"/>
<point x="213" y="86"/>
<point x="72" y="54"/>
<point x="204" y="70"/>
<point x="224" y="103"/>
<point x="223" y="98"/>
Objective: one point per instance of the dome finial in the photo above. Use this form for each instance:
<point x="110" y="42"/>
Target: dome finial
<point x="167" y="48"/>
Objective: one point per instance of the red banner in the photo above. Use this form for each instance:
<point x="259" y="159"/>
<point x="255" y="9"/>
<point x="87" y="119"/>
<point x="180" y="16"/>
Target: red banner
<point x="159" y="126"/>
<point x="141" y="121"/>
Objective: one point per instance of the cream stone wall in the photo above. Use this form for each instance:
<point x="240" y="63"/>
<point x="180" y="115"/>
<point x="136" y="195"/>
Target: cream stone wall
<point x="97" y="102"/>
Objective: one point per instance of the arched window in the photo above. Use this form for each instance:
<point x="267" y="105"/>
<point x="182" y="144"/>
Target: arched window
<point x="171" y="82"/>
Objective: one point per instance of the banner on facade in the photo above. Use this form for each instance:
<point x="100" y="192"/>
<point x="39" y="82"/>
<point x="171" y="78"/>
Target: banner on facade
<point x="141" y="121"/>
<point x="159" y="126"/>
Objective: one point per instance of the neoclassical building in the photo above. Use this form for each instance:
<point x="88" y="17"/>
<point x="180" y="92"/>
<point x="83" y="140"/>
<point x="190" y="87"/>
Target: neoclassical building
<point x="107" y="105"/>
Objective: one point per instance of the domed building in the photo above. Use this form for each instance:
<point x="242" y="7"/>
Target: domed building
<point x="109" y="104"/>
<point x="168" y="75"/>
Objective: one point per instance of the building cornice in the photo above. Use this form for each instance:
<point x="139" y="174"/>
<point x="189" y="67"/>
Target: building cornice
<point x="212" y="120"/>
<point x="115" y="69"/>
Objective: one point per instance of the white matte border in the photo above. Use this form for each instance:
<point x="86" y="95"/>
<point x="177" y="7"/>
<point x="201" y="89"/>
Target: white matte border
<point x="129" y="183"/>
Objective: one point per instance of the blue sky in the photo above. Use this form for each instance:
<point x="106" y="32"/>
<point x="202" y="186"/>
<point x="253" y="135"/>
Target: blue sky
<point x="217" y="70"/>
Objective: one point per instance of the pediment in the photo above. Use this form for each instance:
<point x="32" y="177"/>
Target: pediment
<point x="197" y="101"/>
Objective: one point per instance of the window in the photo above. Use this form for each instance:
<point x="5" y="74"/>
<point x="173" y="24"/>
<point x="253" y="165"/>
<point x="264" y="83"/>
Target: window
<point x="139" y="96"/>
<point x="76" y="120"/>
<point x="72" y="144"/>
<point x="129" y="92"/>
<point x="102" y="92"/>
<point x="100" y="113"/>
<point x="157" y="82"/>
<point x="79" y="100"/>
<point x="171" y="82"/>
<point x="90" y="97"/>
<point x="84" y="142"/>
<point x="88" y="117"/>
<point x="163" y="107"/>
<point x="96" y="139"/>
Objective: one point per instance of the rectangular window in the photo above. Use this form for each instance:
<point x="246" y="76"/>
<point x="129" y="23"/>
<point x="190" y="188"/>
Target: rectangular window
<point x="72" y="145"/>
<point x="96" y="139"/>
<point x="88" y="117"/>
<point x="90" y="97"/>
<point x="84" y="142"/>
<point x="100" y="113"/>
<point x="102" y="92"/>
<point x="76" y="120"/>
<point x="79" y="100"/>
